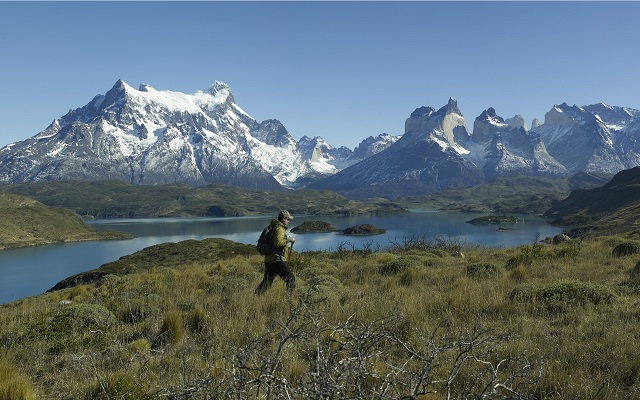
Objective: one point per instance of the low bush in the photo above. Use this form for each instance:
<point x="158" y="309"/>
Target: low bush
<point x="118" y="385"/>
<point x="396" y="266"/>
<point x="574" y="292"/>
<point x="483" y="270"/>
<point x="626" y="249"/>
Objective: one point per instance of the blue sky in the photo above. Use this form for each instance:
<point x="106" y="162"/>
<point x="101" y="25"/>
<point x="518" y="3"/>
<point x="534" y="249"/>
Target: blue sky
<point x="340" y="70"/>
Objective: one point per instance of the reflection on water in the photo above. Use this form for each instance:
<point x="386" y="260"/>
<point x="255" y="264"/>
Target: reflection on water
<point x="26" y="272"/>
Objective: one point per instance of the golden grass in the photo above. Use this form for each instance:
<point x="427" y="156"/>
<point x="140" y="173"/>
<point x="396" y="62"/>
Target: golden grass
<point x="559" y="321"/>
<point x="13" y="384"/>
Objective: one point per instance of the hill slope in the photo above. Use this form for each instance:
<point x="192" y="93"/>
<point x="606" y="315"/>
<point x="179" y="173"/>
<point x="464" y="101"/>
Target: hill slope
<point x="611" y="208"/>
<point x="358" y="322"/>
<point x="26" y="222"/>
<point x="117" y="199"/>
<point x="510" y="194"/>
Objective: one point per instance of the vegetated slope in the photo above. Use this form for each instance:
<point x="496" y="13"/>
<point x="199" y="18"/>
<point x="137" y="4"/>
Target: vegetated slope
<point x="118" y="199"/>
<point x="401" y="323"/>
<point x="511" y="194"/>
<point x="164" y="255"/>
<point x="26" y="222"/>
<point x="612" y="207"/>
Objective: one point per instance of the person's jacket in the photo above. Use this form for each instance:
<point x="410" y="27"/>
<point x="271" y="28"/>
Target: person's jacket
<point x="280" y="241"/>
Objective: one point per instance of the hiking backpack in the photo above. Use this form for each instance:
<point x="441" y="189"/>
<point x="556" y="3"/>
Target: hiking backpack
<point x="265" y="243"/>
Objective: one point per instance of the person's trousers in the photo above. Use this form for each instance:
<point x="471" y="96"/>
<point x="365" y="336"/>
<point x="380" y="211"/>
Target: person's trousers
<point x="271" y="270"/>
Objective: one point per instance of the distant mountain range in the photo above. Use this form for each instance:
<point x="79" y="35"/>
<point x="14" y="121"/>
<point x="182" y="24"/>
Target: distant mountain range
<point x="146" y="136"/>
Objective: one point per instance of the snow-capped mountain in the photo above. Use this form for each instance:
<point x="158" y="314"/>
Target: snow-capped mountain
<point x="437" y="150"/>
<point x="504" y="147"/>
<point x="595" y="138"/>
<point x="373" y="145"/>
<point x="324" y="158"/>
<point x="146" y="136"/>
<point x="427" y="158"/>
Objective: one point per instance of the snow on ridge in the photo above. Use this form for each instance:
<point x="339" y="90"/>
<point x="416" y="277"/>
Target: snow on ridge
<point x="496" y="122"/>
<point x="178" y="101"/>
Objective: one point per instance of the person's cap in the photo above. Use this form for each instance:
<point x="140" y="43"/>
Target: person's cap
<point x="285" y="214"/>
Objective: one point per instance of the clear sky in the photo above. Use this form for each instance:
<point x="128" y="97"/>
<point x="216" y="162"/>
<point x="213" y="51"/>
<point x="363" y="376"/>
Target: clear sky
<point x="340" y="70"/>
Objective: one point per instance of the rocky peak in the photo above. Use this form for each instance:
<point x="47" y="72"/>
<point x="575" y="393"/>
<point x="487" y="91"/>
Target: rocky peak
<point x="558" y="115"/>
<point x="535" y="123"/>
<point x="145" y="88"/>
<point x="450" y="108"/>
<point x="488" y="113"/>
<point x="516" y="122"/>
<point x="217" y="87"/>
<point x="422" y="112"/>
<point x="486" y="125"/>
<point x="272" y="132"/>
<point x="373" y="145"/>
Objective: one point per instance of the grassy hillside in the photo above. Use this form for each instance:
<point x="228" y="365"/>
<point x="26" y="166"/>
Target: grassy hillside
<point x="612" y="208"/>
<point x="114" y="199"/>
<point x="26" y="222"/>
<point x="411" y="321"/>
<point x="511" y="195"/>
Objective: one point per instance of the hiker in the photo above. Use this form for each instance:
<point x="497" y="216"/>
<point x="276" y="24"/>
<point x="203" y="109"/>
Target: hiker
<point x="276" y="262"/>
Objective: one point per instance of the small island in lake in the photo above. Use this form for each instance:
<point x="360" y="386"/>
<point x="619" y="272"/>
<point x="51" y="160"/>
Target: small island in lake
<point x="314" y="227"/>
<point x="493" y="219"/>
<point x="363" y="229"/>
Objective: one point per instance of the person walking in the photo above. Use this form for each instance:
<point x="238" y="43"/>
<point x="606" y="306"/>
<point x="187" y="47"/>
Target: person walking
<point x="277" y="262"/>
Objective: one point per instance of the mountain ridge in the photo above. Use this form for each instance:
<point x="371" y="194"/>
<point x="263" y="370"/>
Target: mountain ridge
<point x="147" y="136"/>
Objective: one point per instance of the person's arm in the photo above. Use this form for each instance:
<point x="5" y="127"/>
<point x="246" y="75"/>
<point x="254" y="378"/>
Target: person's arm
<point x="280" y="237"/>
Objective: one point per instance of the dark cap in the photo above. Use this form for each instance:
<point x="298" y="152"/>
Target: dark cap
<point x="285" y="214"/>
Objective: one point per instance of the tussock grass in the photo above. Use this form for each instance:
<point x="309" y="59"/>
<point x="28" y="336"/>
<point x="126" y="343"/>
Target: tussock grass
<point x="13" y="384"/>
<point x="543" y="322"/>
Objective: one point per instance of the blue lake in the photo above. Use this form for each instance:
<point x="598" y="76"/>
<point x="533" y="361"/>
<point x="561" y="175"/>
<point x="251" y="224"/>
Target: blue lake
<point x="34" y="270"/>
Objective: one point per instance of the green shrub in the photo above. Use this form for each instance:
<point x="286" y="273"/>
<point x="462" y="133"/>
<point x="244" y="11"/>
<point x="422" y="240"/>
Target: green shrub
<point x="564" y="293"/>
<point x="559" y="296"/>
<point x="83" y="316"/>
<point x="72" y="327"/>
<point x="118" y="385"/>
<point x="626" y="249"/>
<point x="483" y="270"/>
<point x="523" y="294"/>
<point x="634" y="274"/>
<point x="140" y="346"/>
<point x="396" y="266"/>
<point x="528" y="254"/>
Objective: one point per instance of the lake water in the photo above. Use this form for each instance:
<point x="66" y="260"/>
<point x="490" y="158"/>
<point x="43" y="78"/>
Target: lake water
<point x="30" y="271"/>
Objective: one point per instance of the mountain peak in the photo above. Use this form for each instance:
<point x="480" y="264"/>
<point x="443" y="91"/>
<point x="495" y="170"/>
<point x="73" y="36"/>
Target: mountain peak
<point x="490" y="115"/>
<point x="121" y="86"/>
<point x="422" y="112"/>
<point x="450" y="108"/>
<point x="217" y="87"/>
<point x="145" y="88"/>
